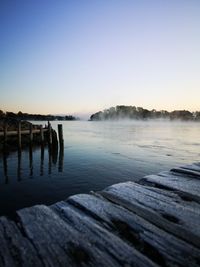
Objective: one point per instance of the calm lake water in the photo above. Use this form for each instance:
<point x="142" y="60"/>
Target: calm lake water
<point x="96" y="154"/>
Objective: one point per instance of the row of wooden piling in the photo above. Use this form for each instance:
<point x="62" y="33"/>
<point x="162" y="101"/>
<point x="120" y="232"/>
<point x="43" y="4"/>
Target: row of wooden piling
<point x="60" y="134"/>
<point x="52" y="138"/>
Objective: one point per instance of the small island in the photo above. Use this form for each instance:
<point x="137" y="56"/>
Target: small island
<point x="139" y="113"/>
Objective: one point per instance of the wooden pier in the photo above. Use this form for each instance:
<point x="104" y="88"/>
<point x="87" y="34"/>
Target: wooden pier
<point x="151" y="223"/>
<point x="51" y="135"/>
<point x="14" y="133"/>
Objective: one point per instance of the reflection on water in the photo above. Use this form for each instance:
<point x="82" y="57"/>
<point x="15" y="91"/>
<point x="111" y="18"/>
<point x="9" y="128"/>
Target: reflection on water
<point x="61" y="158"/>
<point x="42" y="161"/>
<point x="95" y="155"/>
<point x="5" y="168"/>
<point x="52" y="159"/>
<point x="19" y="165"/>
<point x="31" y="160"/>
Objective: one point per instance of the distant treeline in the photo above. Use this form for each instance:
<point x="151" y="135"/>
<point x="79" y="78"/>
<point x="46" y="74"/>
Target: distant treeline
<point x="138" y="113"/>
<point x="36" y="117"/>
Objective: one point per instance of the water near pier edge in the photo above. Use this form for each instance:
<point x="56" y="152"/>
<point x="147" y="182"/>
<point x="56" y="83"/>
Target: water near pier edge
<point x="96" y="155"/>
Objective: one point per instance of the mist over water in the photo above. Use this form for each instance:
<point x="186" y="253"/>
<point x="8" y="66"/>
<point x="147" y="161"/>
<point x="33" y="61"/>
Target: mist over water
<point x="96" y="155"/>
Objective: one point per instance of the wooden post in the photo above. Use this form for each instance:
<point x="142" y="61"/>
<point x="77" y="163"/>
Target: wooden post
<point x="19" y="135"/>
<point x="31" y="132"/>
<point x="50" y="133"/>
<point x="60" y="134"/>
<point x="41" y="135"/>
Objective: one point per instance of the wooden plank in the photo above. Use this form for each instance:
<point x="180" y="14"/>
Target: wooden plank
<point x="188" y="170"/>
<point x="188" y="185"/>
<point x="102" y="239"/>
<point x="177" y="197"/>
<point x="15" y="248"/>
<point x="171" y="204"/>
<point x="195" y="167"/>
<point x="60" y="244"/>
<point x="8" y="133"/>
<point x="162" y="211"/>
<point x="11" y="133"/>
<point x="127" y="224"/>
<point x="160" y="246"/>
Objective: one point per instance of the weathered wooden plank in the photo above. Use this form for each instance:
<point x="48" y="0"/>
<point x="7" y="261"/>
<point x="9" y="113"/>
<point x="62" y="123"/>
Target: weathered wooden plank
<point x="194" y="167"/>
<point x="16" y="249"/>
<point x="10" y="133"/>
<point x="60" y="244"/>
<point x="121" y="252"/>
<point x="191" y="170"/>
<point x="127" y="224"/>
<point x="178" y="197"/>
<point x="161" y="211"/>
<point x="188" y="185"/>
<point x="160" y="246"/>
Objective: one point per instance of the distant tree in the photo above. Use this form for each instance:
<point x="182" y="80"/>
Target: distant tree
<point x="97" y="116"/>
<point x="2" y="114"/>
<point x="39" y="117"/>
<point x="181" y="114"/>
<point x="131" y="112"/>
<point x="11" y="115"/>
<point x="196" y="115"/>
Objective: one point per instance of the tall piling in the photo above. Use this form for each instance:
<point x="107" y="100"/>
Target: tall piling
<point x="50" y="133"/>
<point x="60" y="135"/>
<point x="41" y="135"/>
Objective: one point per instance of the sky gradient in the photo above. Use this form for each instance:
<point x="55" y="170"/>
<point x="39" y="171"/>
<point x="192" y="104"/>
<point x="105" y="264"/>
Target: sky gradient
<point x="81" y="56"/>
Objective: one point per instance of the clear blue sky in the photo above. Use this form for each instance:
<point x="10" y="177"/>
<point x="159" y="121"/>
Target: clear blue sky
<point x="81" y="56"/>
